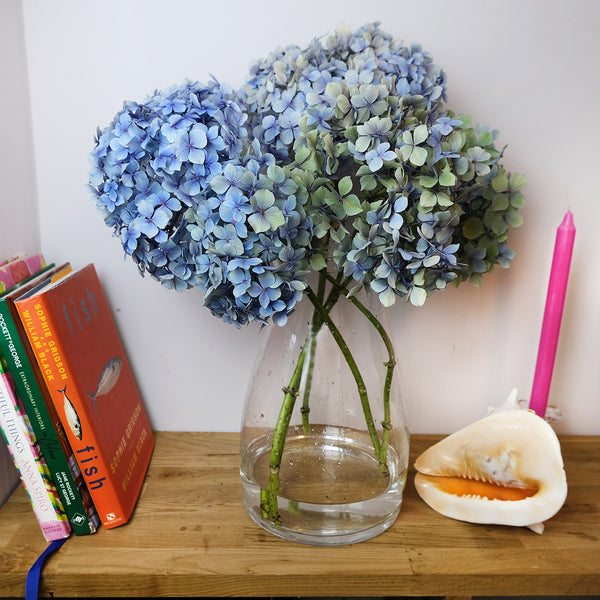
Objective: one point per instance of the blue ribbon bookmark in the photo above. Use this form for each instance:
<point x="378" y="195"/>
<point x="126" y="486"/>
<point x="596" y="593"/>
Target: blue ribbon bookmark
<point x="33" y="577"/>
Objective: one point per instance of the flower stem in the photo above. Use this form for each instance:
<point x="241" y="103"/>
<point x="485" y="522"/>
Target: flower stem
<point x="362" y="389"/>
<point x="268" y="496"/>
<point x="390" y="364"/>
<point x="312" y="342"/>
<point x="386" y="424"/>
<point x="338" y="286"/>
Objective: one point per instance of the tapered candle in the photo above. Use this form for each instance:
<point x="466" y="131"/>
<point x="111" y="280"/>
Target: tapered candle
<point x="555" y="300"/>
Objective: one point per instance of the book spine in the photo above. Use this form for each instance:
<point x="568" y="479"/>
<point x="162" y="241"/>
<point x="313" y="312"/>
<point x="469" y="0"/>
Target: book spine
<point x="46" y="426"/>
<point x="60" y="379"/>
<point x="31" y="466"/>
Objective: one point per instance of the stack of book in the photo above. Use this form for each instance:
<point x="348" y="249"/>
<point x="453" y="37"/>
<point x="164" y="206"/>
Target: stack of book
<point x="70" y="410"/>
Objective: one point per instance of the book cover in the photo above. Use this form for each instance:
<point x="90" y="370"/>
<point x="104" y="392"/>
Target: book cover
<point x="77" y="345"/>
<point x="16" y="270"/>
<point x="46" y="425"/>
<point x="32" y="469"/>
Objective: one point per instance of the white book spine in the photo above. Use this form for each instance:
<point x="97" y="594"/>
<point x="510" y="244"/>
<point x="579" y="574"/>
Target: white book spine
<point x="31" y="466"/>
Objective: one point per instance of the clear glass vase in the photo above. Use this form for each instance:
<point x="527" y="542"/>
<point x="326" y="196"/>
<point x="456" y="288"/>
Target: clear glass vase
<point x="324" y="444"/>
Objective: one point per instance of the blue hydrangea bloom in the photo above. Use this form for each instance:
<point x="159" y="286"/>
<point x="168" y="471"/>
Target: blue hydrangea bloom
<point x="338" y="155"/>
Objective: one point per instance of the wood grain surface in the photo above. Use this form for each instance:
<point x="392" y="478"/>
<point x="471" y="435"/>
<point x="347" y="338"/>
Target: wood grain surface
<point x="190" y="536"/>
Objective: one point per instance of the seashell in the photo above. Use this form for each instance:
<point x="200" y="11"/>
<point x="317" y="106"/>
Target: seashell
<point x="505" y="469"/>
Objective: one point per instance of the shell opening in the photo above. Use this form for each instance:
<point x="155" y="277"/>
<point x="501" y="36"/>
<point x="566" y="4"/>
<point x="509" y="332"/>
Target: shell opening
<point x="473" y="488"/>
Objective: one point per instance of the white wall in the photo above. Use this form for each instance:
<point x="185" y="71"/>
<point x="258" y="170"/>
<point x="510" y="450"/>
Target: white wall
<point x="528" y="68"/>
<point x="18" y="213"/>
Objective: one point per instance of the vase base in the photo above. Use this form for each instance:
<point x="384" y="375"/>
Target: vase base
<point x="322" y="538"/>
<point x="332" y="490"/>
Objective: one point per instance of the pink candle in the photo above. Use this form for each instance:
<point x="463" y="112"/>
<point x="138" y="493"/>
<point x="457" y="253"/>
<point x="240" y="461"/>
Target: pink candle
<point x="555" y="300"/>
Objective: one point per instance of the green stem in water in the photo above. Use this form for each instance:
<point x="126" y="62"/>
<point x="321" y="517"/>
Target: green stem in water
<point x="386" y="424"/>
<point x="390" y="364"/>
<point x="268" y="496"/>
<point x="360" y="384"/>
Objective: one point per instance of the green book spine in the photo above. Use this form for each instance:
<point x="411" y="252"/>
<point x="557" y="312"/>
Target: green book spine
<point x="79" y="508"/>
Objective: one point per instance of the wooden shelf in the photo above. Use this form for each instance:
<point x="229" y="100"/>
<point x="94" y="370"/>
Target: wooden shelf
<point x="190" y="536"/>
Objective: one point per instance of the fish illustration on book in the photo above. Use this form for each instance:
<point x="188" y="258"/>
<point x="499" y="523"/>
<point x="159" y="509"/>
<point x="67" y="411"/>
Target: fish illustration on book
<point x="71" y="414"/>
<point x="108" y="377"/>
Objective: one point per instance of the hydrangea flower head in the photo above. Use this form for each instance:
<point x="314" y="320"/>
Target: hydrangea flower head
<point x="340" y="155"/>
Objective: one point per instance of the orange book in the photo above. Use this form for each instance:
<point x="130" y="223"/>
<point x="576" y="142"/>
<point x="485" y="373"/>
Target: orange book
<point x="76" y="343"/>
